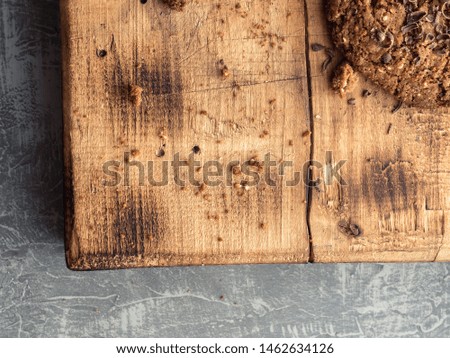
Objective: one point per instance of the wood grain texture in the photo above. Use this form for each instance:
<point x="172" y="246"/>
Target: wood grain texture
<point x="397" y="172"/>
<point x="238" y="80"/>
<point x="260" y="107"/>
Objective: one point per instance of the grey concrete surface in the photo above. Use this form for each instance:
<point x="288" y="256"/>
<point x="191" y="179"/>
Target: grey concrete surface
<point x="39" y="297"/>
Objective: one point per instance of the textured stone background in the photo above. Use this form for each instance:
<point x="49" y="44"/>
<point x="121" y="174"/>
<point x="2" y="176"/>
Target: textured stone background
<point x="39" y="297"/>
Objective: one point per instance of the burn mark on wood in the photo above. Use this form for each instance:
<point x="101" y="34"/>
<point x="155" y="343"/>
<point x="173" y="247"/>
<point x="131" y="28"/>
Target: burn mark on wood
<point x="120" y="93"/>
<point x="160" y="80"/>
<point x="137" y="223"/>
<point x="172" y="91"/>
<point x="392" y="185"/>
<point x="164" y="84"/>
<point x="165" y="88"/>
<point x="150" y="79"/>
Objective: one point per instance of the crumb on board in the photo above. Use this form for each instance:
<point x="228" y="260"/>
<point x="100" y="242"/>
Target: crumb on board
<point x="349" y="229"/>
<point x="212" y="216"/>
<point x="316" y="47"/>
<point x="160" y="152"/>
<point x="236" y="169"/>
<point x="344" y="79"/>
<point x="328" y="60"/>
<point x="224" y="71"/>
<point x="388" y="131"/>
<point x="101" y="53"/>
<point x="136" y="95"/>
<point x="397" y="107"/>
<point x="135" y="152"/>
<point x="162" y="134"/>
<point x="200" y="189"/>
<point x="177" y="5"/>
<point x="264" y="133"/>
<point x="255" y="163"/>
<point x="236" y="88"/>
<point x="366" y="93"/>
<point x="196" y="149"/>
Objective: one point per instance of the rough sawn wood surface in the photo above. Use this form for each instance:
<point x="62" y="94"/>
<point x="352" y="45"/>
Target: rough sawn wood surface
<point x="239" y="81"/>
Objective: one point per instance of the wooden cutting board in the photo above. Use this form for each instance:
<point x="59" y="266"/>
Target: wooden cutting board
<point x="209" y="164"/>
